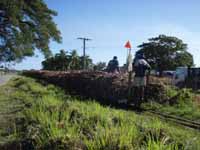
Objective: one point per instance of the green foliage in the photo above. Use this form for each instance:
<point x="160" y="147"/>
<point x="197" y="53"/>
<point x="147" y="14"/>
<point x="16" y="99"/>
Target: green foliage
<point x="156" y="139"/>
<point x="179" y="97"/>
<point x="59" y="121"/>
<point x="171" y="91"/>
<point x="183" y="59"/>
<point x="63" y="61"/>
<point x="166" y="53"/>
<point x="100" y="66"/>
<point x="179" y="102"/>
<point x="185" y="97"/>
<point x="26" y="26"/>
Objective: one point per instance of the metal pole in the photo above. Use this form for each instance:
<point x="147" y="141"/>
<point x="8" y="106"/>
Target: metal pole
<point x="84" y="61"/>
<point x="84" y="50"/>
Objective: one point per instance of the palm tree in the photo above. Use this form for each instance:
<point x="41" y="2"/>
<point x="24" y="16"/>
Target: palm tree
<point x="88" y="62"/>
<point x="74" y="63"/>
<point x="61" y="61"/>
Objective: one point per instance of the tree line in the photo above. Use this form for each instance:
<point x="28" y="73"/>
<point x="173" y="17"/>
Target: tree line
<point x="64" y="61"/>
<point x="162" y="52"/>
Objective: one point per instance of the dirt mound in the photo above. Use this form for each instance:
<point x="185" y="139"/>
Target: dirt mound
<point x="105" y="87"/>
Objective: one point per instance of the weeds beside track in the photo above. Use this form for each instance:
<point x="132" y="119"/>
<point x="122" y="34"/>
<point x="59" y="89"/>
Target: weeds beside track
<point x="176" y="119"/>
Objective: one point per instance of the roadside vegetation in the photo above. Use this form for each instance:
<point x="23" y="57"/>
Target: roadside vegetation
<point x="179" y="102"/>
<point x="50" y="119"/>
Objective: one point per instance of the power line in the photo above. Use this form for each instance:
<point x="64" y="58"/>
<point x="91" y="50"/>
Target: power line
<point x="84" y="48"/>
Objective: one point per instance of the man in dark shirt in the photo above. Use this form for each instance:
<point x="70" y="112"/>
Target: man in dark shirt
<point x="140" y="66"/>
<point x="113" y="65"/>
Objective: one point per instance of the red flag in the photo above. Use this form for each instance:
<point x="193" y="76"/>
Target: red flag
<point x="128" y="45"/>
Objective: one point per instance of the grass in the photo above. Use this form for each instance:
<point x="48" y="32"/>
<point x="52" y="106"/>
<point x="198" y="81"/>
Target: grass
<point x="181" y="102"/>
<point x="54" y="120"/>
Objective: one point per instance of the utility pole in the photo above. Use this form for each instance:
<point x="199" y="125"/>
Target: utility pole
<point x="84" y="53"/>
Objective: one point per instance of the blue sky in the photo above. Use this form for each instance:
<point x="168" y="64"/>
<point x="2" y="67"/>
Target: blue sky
<point x="110" y="23"/>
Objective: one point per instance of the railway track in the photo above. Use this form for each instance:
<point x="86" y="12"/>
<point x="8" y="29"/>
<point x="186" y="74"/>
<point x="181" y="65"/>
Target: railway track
<point x="176" y="119"/>
<point x="164" y="116"/>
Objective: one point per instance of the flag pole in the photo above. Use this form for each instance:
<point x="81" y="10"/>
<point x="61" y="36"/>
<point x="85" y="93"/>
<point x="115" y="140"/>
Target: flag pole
<point x="129" y="79"/>
<point x="129" y="69"/>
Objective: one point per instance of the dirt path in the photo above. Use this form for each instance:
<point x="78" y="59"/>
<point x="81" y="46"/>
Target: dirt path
<point x="5" y="78"/>
<point x="9" y="112"/>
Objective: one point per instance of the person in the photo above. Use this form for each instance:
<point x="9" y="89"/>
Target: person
<point x="140" y="67"/>
<point x="113" y="65"/>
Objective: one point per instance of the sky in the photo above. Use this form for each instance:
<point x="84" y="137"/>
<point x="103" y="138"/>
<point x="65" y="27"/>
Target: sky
<point x="110" y="23"/>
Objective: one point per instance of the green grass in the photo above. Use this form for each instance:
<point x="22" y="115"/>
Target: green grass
<point x="180" y="102"/>
<point x="54" y="120"/>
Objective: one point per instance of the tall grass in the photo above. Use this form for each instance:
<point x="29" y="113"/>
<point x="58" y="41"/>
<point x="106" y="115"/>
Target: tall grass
<point x="180" y="102"/>
<point x="55" y="120"/>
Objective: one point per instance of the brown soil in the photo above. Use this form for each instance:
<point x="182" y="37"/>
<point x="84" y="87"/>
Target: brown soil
<point x="197" y="99"/>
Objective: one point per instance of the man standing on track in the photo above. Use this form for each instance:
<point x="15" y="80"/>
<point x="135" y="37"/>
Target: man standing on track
<point x="140" y="67"/>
